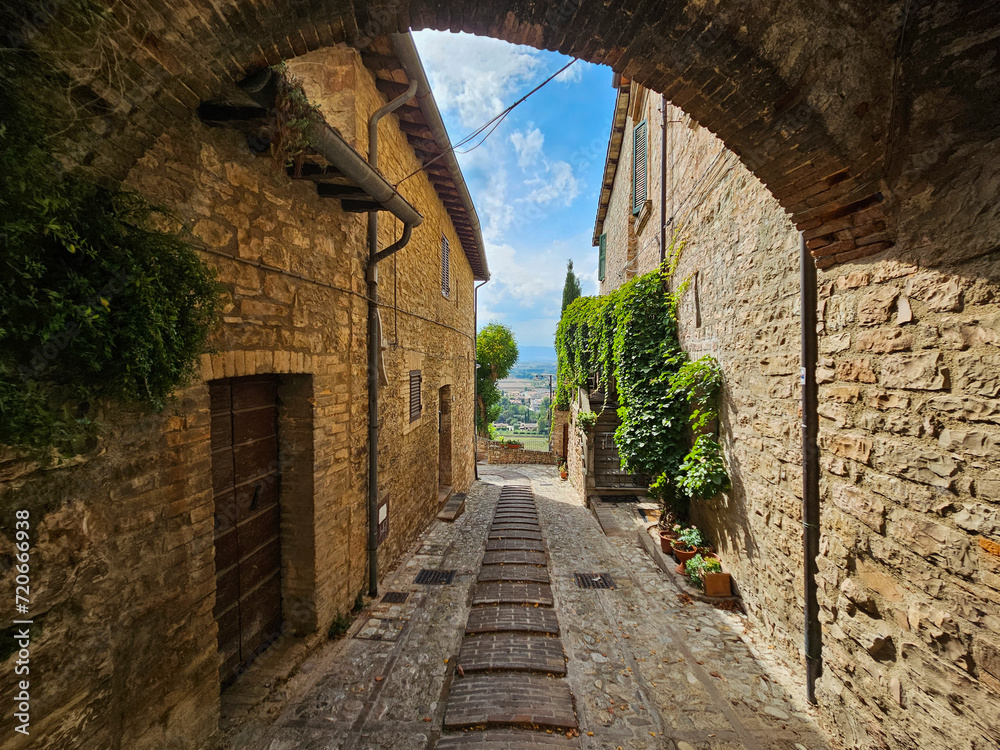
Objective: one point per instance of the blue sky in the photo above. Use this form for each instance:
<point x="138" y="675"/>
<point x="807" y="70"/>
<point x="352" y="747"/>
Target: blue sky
<point x="535" y="181"/>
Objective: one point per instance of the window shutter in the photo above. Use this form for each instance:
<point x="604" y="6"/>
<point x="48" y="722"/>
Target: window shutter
<point x="602" y="255"/>
<point x="445" y="267"/>
<point x="639" y="167"/>
<point x="415" y="406"/>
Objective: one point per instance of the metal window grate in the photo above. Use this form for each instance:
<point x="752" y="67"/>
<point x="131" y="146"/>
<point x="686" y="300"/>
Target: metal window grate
<point x="395" y="597"/>
<point x="435" y="577"/>
<point x="594" y="580"/>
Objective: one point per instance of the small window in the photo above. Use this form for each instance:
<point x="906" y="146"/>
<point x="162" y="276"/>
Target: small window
<point x="639" y="176"/>
<point x="445" y="267"/>
<point x="415" y="406"/>
<point x="602" y="255"/>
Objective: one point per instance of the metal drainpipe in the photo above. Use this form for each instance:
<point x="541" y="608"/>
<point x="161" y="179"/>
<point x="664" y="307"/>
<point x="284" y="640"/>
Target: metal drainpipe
<point x="475" y="379"/>
<point x="374" y="256"/>
<point x="663" y="179"/>
<point x="810" y="471"/>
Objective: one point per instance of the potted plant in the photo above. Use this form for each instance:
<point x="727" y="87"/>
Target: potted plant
<point x="667" y="537"/>
<point x="685" y="546"/>
<point x="707" y="573"/>
<point x="563" y="469"/>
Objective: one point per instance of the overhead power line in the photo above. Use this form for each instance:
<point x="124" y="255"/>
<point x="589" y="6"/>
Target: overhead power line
<point x="491" y="125"/>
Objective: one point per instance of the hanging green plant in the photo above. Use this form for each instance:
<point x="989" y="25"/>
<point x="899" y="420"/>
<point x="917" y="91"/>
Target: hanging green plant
<point x="98" y="301"/>
<point x="293" y="117"/>
<point x="628" y="339"/>
<point x="586" y="420"/>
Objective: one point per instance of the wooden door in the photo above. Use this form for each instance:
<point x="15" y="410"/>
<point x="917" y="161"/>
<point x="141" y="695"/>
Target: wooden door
<point x="247" y="518"/>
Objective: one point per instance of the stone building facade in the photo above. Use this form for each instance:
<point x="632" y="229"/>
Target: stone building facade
<point x="909" y="571"/>
<point x="125" y="559"/>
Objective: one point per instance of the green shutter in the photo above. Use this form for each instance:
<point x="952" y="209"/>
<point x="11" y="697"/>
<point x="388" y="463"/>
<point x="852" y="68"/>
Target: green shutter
<point x="602" y="257"/>
<point x="639" y="176"/>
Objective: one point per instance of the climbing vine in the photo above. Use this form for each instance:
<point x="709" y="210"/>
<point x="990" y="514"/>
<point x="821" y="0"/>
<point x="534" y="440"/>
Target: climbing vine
<point x="628" y="340"/>
<point x="100" y="300"/>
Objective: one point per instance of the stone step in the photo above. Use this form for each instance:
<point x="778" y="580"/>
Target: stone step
<point x="512" y="652"/>
<point x="515" y="557"/>
<point x="505" y="739"/>
<point x="512" y="618"/>
<point x="515" y="514"/>
<point x="528" y="573"/>
<point x="515" y="534"/>
<point x="495" y="545"/>
<point x="512" y="593"/>
<point x="453" y="508"/>
<point x="508" y="526"/>
<point x="510" y="699"/>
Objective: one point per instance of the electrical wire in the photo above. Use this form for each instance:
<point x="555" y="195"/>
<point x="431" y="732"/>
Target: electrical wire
<point x="493" y="121"/>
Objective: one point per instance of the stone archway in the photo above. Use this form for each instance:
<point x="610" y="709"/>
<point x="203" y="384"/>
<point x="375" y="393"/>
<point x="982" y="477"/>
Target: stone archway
<point x="836" y="110"/>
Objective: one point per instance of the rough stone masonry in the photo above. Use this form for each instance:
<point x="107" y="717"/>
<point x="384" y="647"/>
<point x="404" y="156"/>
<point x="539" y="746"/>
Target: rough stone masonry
<point x="852" y="116"/>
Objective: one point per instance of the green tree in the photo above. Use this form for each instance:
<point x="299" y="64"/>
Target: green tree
<point x="496" y="353"/>
<point x="571" y="289"/>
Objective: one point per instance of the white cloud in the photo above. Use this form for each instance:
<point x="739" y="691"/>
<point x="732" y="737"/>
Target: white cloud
<point x="528" y="145"/>
<point x="480" y="86"/>
<point x="557" y="184"/>
<point x="572" y="74"/>
<point x="497" y="213"/>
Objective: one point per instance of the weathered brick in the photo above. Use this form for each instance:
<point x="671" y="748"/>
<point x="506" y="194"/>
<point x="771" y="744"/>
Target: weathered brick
<point x="505" y="700"/>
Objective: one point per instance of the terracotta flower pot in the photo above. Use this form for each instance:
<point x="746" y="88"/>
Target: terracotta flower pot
<point x="563" y="474"/>
<point x="683" y="555"/>
<point x="666" y="541"/>
<point x="717" y="584"/>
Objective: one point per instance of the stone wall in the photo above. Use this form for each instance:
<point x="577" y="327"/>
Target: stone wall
<point x="124" y="650"/>
<point x="908" y="582"/>
<point x="498" y="453"/>
<point x="560" y="418"/>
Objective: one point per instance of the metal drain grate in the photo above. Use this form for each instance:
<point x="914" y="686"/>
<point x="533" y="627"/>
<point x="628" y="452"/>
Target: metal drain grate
<point x="594" y="580"/>
<point x="619" y="498"/>
<point x="395" y="597"/>
<point x="439" y="577"/>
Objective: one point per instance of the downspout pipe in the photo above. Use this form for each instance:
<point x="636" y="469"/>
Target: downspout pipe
<point x="663" y="179"/>
<point x="374" y="256"/>
<point x="475" y="378"/>
<point x="810" y="471"/>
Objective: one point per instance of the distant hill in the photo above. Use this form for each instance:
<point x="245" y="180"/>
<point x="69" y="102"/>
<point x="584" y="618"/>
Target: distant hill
<point x="536" y="354"/>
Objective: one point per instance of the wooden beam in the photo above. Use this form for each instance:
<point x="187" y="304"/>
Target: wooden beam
<point x="416" y="128"/>
<point x="360" y="207"/>
<point x="352" y="192"/>
<point x="393" y="89"/>
<point x="380" y="62"/>
<point x="228" y="113"/>
<point x="425" y="144"/>
<point x="318" y="172"/>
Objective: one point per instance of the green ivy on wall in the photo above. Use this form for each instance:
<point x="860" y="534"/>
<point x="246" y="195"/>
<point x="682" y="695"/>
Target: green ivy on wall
<point x="97" y="301"/>
<point x="628" y="338"/>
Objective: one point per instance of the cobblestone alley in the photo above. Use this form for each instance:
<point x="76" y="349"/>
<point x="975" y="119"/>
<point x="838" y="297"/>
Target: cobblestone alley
<point x="644" y="666"/>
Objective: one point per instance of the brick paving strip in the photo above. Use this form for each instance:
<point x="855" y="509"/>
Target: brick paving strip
<point x="512" y="663"/>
